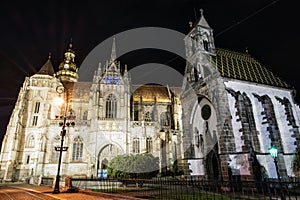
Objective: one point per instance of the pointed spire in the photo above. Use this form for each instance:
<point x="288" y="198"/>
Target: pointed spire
<point x="47" y="68"/>
<point x="202" y="21"/>
<point x="71" y="43"/>
<point x="71" y="46"/>
<point x="99" y="69"/>
<point x="113" y="56"/>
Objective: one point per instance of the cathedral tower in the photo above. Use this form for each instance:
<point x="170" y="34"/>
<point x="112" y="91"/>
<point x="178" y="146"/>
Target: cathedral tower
<point x="204" y="104"/>
<point x="25" y="139"/>
<point x="199" y="44"/>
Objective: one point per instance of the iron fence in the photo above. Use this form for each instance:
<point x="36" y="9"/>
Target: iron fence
<point x="193" y="188"/>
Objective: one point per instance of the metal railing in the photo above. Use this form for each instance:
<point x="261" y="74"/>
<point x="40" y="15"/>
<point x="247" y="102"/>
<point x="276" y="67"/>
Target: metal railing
<point x="160" y="188"/>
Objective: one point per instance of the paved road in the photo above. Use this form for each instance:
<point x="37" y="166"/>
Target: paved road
<point x="19" y="191"/>
<point x="14" y="192"/>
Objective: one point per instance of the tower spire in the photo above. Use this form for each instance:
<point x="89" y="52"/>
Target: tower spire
<point x="113" y="55"/>
<point x="201" y="12"/>
<point x="47" y="68"/>
<point x="71" y="43"/>
<point x="202" y="21"/>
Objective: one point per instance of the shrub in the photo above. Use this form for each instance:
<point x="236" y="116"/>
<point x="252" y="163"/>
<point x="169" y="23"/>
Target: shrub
<point x="141" y="166"/>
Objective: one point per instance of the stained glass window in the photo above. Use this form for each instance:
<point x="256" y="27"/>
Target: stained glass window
<point x="110" y="79"/>
<point x="116" y="79"/>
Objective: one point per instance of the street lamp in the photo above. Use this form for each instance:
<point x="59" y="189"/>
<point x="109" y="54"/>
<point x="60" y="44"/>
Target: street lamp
<point x="62" y="90"/>
<point x="274" y="153"/>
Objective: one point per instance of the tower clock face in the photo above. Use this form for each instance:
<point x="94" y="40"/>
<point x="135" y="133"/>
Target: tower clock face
<point x="66" y="66"/>
<point x="206" y="112"/>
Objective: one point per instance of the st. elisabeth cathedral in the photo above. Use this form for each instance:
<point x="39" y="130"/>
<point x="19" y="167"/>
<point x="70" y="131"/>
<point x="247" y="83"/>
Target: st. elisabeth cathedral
<point x="229" y="111"/>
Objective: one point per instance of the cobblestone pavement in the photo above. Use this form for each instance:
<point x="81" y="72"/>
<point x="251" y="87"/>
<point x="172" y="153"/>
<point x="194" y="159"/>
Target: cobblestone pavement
<point x="20" y="191"/>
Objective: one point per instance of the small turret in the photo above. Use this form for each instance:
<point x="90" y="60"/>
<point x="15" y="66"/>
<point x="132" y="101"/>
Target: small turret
<point x="47" y="68"/>
<point x="200" y="38"/>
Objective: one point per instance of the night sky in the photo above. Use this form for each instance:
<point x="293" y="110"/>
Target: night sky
<point x="31" y="29"/>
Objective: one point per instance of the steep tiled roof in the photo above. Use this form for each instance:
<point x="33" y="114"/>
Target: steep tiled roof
<point x="243" y="67"/>
<point x="47" y="68"/>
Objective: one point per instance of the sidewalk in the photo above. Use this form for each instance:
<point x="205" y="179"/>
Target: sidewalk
<point x="81" y="195"/>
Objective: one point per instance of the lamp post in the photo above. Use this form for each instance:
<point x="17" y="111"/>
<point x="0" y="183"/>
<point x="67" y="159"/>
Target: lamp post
<point x="274" y="153"/>
<point x="64" y="124"/>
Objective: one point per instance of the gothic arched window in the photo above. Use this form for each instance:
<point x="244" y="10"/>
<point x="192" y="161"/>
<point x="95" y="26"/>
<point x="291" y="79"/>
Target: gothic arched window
<point x="111" y="106"/>
<point x="149" y="145"/>
<point x="205" y="45"/>
<point x="77" y="149"/>
<point x="136" y="145"/>
<point x="85" y="115"/>
<point x="164" y="119"/>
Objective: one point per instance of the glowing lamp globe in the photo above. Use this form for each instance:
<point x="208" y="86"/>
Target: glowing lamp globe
<point x="58" y="101"/>
<point x="273" y="151"/>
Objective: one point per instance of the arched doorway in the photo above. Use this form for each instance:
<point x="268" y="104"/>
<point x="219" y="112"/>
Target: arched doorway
<point x="213" y="168"/>
<point x="106" y="154"/>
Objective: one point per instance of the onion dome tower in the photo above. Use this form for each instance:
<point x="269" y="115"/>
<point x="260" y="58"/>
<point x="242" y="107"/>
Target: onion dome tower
<point x="67" y="70"/>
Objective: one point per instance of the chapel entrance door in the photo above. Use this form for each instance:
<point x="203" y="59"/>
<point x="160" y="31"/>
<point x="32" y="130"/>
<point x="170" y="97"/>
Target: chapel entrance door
<point x="213" y="168"/>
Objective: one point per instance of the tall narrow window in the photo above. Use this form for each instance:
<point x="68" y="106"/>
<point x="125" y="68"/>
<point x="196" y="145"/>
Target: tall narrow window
<point x="77" y="149"/>
<point x="34" y="120"/>
<point x="136" y="145"/>
<point x="37" y="107"/>
<point x="149" y="145"/>
<point x="205" y="44"/>
<point x="136" y="112"/>
<point x="164" y="120"/>
<point x="111" y="106"/>
<point x="85" y="115"/>
<point x="28" y="159"/>
<point x="30" y="141"/>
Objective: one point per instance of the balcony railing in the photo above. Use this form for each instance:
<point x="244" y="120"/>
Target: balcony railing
<point x="142" y="123"/>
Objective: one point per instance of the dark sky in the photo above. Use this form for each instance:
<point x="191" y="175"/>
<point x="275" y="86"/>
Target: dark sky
<point x="32" y="29"/>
